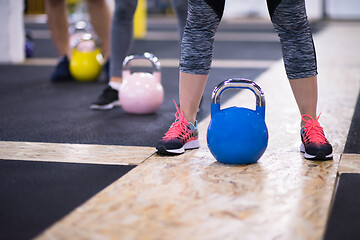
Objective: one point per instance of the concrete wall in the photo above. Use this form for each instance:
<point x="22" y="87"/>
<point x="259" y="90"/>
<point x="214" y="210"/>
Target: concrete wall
<point x="316" y="9"/>
<point x="12" y="35"/>
<point x="343" y="9"/>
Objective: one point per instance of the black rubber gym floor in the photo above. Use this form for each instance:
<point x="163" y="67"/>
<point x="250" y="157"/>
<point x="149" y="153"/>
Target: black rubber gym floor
<point x="34" y="195"/>
<point x="353" y="140"/>
<point x="344" y="219"/>
<point x="36" y="110"/>
<point x="33" y="109"/>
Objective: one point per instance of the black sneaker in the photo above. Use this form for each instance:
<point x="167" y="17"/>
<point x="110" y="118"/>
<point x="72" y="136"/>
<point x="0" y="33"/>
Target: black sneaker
<point x="62" y="72"/>
<point x="107" y="100"/>
<point x="314" y="144"/>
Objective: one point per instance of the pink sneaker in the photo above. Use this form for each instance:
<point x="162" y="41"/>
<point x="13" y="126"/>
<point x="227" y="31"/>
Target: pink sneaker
<point x="314" y="145"/>
<point x="181" y="136"/>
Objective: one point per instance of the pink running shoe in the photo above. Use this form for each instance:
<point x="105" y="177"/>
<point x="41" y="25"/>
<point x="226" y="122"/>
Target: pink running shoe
<point x="181" y="136"/>
<point x="314" y="144"/>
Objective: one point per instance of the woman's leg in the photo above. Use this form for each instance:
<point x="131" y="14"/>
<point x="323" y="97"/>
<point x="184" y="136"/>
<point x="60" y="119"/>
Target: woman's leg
<point x="100" y="19"/>
<point x="58" y="25"/>
<point x="305" y="93"/>
<point x="121" y="35"/>
<point x="180" y="7"/>
<point x="196" y="56"/>
<point x="196" y="53"/>
<point x="121" y="40"/>
<point x="291" y="23"/>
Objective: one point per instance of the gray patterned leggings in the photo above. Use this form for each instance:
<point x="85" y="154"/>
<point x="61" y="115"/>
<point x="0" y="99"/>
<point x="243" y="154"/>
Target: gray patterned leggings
<point x="122" y="30"/>
<point x="290" y="22"/>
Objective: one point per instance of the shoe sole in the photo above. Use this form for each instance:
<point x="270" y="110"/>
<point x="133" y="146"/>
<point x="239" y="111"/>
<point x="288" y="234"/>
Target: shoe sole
<point x="105" y="107"/>
<point x="318" y="156"/>
<point x="194" y="144"/>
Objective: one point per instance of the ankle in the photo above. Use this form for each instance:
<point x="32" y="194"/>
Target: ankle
<point x="306" y="117"/>
<point x="190" y="114"/>
<point x="190" y="119"/>
<point x="116" y="79"/>
<point x="115" y="85"/>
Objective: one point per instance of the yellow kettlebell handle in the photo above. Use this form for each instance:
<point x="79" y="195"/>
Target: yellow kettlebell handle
<point x="95" y="52"/>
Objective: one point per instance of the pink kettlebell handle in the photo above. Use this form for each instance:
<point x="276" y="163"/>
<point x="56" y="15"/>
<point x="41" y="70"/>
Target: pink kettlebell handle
<point x="149" y="56"/>
<point x="126" y="74"/>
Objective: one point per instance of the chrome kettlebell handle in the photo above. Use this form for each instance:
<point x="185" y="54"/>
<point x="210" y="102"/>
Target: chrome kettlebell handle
<point x="149" y="56"/>
<point x="86" y="37"/>
<point x="239" y="83"/>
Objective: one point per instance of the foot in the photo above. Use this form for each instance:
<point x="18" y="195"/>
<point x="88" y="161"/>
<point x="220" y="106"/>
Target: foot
<point x="107" y="100"/>
<point x="181" y="136"/>
<point x="29" y="45"/>
<point x="62" y="72"/>
<point x="314" y="145"/>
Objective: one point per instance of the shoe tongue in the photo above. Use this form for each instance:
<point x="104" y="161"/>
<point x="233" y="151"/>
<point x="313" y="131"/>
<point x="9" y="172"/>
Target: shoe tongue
<point x="192" y="125"/>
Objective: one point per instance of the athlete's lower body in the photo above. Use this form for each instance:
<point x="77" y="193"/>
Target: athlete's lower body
<point x="290" y="21"/>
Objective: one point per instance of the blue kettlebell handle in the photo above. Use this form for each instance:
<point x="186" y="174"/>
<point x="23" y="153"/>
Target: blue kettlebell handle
<point x="149" y="56"/>
<point x="238" y="83"/>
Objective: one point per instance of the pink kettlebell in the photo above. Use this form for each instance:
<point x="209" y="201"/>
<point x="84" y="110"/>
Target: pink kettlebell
<point x="141" y="92"/>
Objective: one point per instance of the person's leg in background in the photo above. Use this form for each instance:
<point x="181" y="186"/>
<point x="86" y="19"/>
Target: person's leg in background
<point x="59" y="27"/>
<point x="57" y="15"/>
<point x="290" y="22"/>
<point x="180" y="7"/>
<point x="100" y="18"/>
<point x="121" y="41"/>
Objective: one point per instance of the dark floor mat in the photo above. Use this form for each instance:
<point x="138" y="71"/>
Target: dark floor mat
<point x="34" y="195"/>
<point x="344" y="219"/>
<point x="353" y="141"/>
<point x="35" y="110"/>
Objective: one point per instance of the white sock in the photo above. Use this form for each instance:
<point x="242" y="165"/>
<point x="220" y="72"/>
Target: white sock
<point x="115" y="85"/>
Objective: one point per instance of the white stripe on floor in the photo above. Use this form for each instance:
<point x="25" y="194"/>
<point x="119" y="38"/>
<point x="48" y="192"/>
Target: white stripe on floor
<point x="74" y="153"/>
<point x="174" y="36"/>
<point x="168" y="62"/>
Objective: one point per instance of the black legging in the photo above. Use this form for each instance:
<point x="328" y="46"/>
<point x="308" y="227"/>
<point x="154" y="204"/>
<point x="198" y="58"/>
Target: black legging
<point x="290" y="22"/>
<point x="122" y="30"/>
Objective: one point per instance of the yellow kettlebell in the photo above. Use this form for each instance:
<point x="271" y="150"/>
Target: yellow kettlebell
<point x="86" y="61"/>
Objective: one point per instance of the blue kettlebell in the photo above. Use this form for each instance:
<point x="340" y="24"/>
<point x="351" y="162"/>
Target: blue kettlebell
<point x="237" y="135"/>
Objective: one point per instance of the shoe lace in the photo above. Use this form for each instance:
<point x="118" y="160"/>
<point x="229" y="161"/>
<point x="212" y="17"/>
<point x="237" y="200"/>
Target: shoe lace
<point x="312" y="129"/>
<point x="179" y="127"/>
